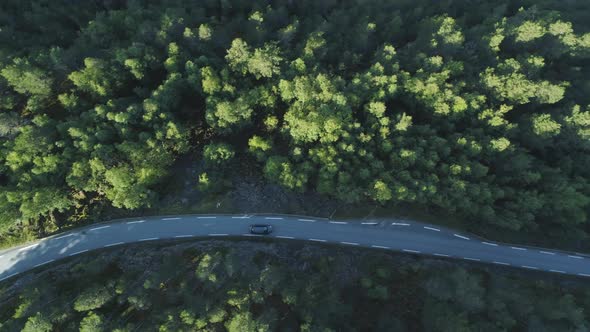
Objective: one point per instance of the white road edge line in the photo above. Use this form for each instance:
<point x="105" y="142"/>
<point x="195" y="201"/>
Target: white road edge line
<point x="284" y="237"/>
<point x="472" y="259"/>
<point x="350" y="243"/>
<point x="501" y="263"/>
<point x="412" y="251"/>
<point x="530" y="267"/>
<point x="113" y="244"/>
<point x="27" y="247"/>
<point x="317" y="240"/>
<point x="338" y="222"/>
<point x="441" y="255"/>
<point x="149" y="239"/>
<point x="557" y="271"/>
<point x="461" y="236"/>
<point x="380" y="247"/>
<point x="49" y="261"/>
<point x="368" y="223"/>
<point x="242" y="217"/>
<point x="489" y="244"/>
<point x="310" y="220"/>
<point x="432" y="228"/>
<point x="173" y="218"/>
<point x="576" y="257"/>
<point x="218" y="234"/>
<point x="273" y="218"/>
<point x="206" y="217"/>
<point x="547" y="252"/>
<point x="78" y="252"/>
<point x="584" y="274"/>
<point x="136" y="222"/>
<point x="12" y="275"/>
<point x="518" y="248"/>
<point x="399" y="224"/>
<point x="97" y="228"/>
<point x="63" y="236"/>
<point x="184" y="235"/>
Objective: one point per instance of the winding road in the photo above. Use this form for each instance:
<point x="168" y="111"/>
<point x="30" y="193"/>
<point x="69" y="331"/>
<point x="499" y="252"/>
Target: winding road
<point x="395" y="235"/>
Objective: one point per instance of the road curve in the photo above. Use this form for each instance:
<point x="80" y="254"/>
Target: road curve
<point x="411" y="238"/>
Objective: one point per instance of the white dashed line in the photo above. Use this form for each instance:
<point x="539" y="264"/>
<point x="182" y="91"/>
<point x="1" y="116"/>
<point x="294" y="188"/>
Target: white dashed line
<point x="412" y="251"/>
<point x="149" y="239"/>
<point x="472" y="259"/>
<point x="432" y="229"/>
<point x="557" y="271"/>
<point x="248" y="234"/>
<point x="113" y="244"/>
<point x="461" y="236"/>
<point x="317" y="240"/>
<point x="576" y="257"/>
<point x="441" y="255"/>
<point x="380" y="247"/>
<point x="242" y="217"/>
<point x="78" y="252"/>
<point x="547" y="252"/>
<point x="174" y="218"/>
<point x="518" y="248"/>
<point x="136" y="222"/>
<point x="12" y="275"/>
<point x="584" y="274"/>
<point x="273" y="218"/>
<point x="218" y="234"/>
<point x="490" y="244"/>
<point x="310" y="220"/>
<point x="97" y="228"/>
<point x="49" y="261"/>
<point x="399" y="224"/>
<point x="338" y="222"/>
<point x="501" y="263"/>
<point x="206" y="217"/>
<point x="284" y="237"/>
<point x="530" y="267"/>
<point x="28" y="247"/>
<point x="64" y="236"/>
<point x="369" y="223"/>
<point x="179" y="236"/>
<point x="350" y="243"/>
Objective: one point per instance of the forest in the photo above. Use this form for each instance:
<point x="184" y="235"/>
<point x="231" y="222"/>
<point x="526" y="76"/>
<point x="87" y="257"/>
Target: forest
<point x="264" y="286"/>
<point x="477" y="109"/>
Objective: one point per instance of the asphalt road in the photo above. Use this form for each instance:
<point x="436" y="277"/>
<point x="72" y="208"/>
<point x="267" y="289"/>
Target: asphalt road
<point x="405" y="237"/>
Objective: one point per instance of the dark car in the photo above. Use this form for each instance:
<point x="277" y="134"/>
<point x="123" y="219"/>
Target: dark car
<point x="260" y="229"/>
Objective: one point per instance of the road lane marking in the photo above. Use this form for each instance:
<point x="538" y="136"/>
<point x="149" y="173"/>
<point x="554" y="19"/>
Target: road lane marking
<point x="172" y="218"/>
<point x="530" y="267"/>
<point x="399" y="224"/>
<point x="97" y="228"/>
<point x="64" y="236"/>
<point x="350" y="243"/>
<point x="284" y="237"/>
<point x="317" y="240"/>
<point x="273" y="218"/>
<point x="557" y="271"/>
<point x="149" y="239"/>
<point x="12" y="275"/>
<point x="461" y="236"/>
<point x="584" y="274"/>
<point x="113" y="244"/>
<point x="206" y="217"/>
<point x="380" y="247"/>
<point x="242" y="217"/>
<point x="368" y="223"/>
<point x="412" y="251"/>
<point x="248" y="234"/>
<point x="49" y="261"/>
<point x="28" y="247"/>
<point x="338" y="222"/>
<point x="441" y="255"/>
<point x="471" y="259"/>
<point x="489" y="244"/>
<point x="218" y="234"/>
<point x="310" y="220"/>
<point x="576" y="257"/>
<point x="78" y="252"/>
<point x="136" y="222"/>
<point x="501" y="263"/>
<point x="518" y="248"/>
<point x="547" y="252"/>
<point x="179" y="236"/>
<point x="432" y="229"/>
